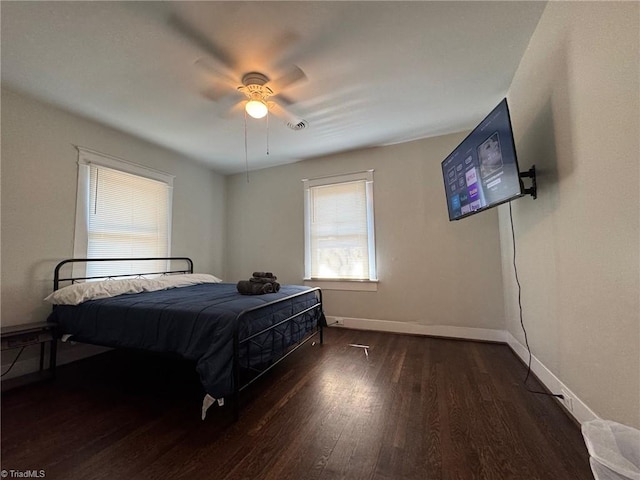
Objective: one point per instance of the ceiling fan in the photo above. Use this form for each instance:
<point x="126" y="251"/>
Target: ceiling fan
<point x="262" y="94"/>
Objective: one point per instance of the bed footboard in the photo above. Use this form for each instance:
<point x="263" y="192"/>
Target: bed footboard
<point x="276" y="342"/>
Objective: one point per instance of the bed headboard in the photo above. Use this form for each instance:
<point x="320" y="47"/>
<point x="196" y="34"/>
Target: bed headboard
<point x="172" y="263"/>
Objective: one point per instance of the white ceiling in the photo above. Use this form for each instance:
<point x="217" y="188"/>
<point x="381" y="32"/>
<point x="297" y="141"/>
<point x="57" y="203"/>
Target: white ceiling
<point x="377" y="72"/>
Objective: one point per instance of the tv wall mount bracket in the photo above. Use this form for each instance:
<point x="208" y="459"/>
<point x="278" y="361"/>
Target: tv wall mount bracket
<point x="531" y="173"/>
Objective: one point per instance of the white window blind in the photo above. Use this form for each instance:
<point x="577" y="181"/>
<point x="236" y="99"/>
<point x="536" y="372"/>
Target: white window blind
<point x="122" y="213"/>
<point x="339" y="233"/>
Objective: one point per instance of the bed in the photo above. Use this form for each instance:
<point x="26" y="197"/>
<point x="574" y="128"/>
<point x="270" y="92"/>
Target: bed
<point x="234" y="339"/>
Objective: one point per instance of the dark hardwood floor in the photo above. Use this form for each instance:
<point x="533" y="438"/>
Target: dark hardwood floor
<point x="416" y="408"/>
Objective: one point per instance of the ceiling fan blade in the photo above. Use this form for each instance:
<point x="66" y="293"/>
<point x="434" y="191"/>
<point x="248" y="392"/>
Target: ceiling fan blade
<point x="294" y="75"/>
<point x="233" y="110"/>
<point x="217" y="95"/>
<point x="226" y="104"/>
<point x="200" y="40"/>
<point x="284" y="100"/>
<point x="284" y="114"/>
<point x="230" y="105"/>
<point x="218" y="75"/>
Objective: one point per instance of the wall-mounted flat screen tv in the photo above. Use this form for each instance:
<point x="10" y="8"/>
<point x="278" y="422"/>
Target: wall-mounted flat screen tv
<point x="482" y="171"/>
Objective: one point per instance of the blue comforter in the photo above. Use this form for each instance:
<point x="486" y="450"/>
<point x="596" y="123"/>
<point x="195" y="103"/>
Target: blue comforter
<point x="196" y="322"/>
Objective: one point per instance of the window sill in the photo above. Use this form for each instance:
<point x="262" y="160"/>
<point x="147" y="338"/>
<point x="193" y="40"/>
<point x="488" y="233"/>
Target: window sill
<point x="347" y="285"/>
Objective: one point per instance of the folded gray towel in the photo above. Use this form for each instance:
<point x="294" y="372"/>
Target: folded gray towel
<point x="263" y="279"/>
<point x="264" y="275"/>
<point x="246" y="287"/>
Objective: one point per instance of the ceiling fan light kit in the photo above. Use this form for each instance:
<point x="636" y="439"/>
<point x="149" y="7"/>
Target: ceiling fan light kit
<point x="256" y="108"/>
<point x="253" y="86"/>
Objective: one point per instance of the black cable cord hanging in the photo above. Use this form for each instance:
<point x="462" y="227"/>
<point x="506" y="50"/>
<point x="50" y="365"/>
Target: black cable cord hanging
<point x="13" y="363"/>
<point x="524" y="330"/>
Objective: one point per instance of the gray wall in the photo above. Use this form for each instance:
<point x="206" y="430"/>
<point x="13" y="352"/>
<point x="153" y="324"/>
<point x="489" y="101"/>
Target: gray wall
<point x="574" y="104"/>
<point x="39" y="181"/>
<point x="431" y="271"/>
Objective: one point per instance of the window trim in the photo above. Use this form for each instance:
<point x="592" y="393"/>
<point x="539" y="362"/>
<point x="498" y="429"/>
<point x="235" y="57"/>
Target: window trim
<point x="88" y="157"/>
<point x="369" y="284"/>
<point x="340" y="284"/>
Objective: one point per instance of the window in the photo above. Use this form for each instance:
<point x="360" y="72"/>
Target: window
<point x="339" y="228"/>
<point x="123" y="210"/>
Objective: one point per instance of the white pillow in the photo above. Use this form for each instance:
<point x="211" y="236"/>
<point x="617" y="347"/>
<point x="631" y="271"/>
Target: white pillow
<point x="81" y="292"/>
<point x="78" y="293"/>
<point x="173" y="281"/>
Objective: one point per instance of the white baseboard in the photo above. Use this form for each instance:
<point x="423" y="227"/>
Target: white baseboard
<point x="413" y="328"/>
<point x="573" y="405"/>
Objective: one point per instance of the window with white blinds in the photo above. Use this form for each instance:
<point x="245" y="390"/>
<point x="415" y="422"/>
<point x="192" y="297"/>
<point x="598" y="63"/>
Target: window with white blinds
<point x="339" y="228"/>
<point x="123" y="211"/>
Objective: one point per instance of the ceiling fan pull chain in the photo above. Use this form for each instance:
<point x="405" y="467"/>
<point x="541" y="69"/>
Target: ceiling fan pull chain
<point x="268" y="131"/>
<point x="246" y="155"/>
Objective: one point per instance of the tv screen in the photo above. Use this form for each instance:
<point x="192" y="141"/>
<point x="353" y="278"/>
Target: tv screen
<point x="482" y="171"/>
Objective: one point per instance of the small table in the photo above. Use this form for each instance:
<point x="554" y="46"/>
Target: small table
<point x="18" y="336"/>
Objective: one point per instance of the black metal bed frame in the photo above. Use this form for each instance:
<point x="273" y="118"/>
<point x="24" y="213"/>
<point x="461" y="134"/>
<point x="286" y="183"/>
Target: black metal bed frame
<point x="238" y="343"/>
